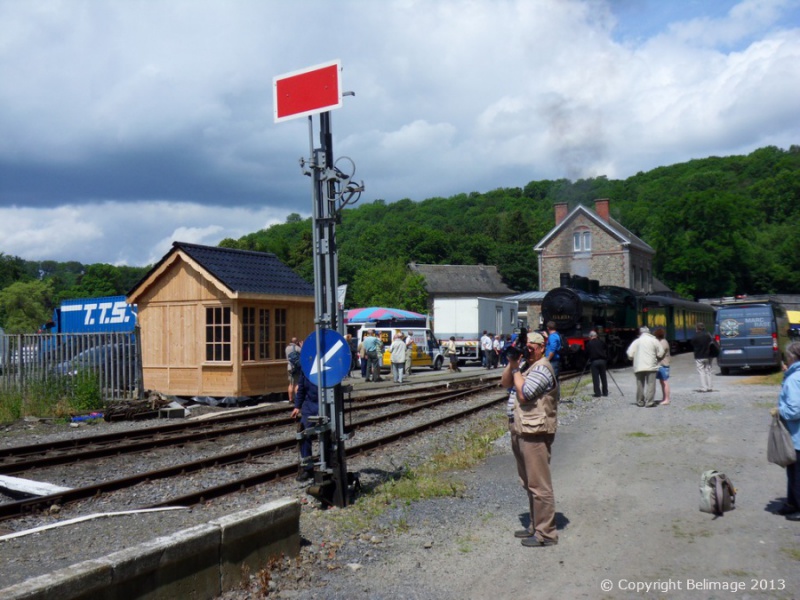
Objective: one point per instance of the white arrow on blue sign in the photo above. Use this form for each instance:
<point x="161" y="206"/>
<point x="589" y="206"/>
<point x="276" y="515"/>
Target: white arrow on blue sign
<point x="335" y="360"/>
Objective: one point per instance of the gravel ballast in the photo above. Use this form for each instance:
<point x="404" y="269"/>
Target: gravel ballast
<point x="626" y="485"/>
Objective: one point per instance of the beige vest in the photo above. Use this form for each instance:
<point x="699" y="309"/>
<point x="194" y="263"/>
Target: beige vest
<point x="540" y="415"/>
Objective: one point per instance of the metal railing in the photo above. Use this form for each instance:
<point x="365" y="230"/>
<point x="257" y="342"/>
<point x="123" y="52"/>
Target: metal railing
<point x="29" y="359"/>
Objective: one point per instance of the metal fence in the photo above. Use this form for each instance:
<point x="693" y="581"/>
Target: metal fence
<point x="113" y="358"/>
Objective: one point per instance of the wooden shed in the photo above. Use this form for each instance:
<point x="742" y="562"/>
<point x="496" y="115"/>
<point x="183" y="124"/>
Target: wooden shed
<point x="215" y="322"/>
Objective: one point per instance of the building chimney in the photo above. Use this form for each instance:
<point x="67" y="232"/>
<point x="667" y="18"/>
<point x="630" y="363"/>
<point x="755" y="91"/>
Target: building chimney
<point x="561" y="212"/>
<point x="601" y="208"/>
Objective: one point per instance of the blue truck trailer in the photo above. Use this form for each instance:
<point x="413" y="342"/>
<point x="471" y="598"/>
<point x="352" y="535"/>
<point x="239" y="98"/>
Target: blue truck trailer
<point x="92" y="315"/>
<point x="105" y="315"/>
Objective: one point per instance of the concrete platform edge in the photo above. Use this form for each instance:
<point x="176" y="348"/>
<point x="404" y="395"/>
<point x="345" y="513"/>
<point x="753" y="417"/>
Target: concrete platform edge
<point x="198" y="562"/>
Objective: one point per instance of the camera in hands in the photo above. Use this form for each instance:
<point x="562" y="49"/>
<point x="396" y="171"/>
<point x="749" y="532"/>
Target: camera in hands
<point x="519" y="349"/>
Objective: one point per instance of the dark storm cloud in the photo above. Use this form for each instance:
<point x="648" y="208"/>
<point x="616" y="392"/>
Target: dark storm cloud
<point x="178" y="172"/>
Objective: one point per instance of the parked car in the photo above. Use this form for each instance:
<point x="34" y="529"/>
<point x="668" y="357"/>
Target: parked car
<point x="113" y="361"/>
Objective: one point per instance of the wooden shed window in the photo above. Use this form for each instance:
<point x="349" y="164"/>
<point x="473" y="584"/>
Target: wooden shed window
<point x="218" y="334"/>
<point x="280" y="331"/>
<point x="255" y="333"/>
<point x="263" y="331"/>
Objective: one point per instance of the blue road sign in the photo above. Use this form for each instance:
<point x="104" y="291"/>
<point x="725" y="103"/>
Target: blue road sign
<point x="335" y="359"/>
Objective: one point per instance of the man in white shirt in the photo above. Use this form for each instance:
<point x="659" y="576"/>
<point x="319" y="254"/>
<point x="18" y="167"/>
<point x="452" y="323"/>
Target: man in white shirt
<point x="486" y="350"/>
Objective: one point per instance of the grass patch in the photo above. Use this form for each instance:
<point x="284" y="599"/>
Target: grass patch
<point x="775" y="378"/>
<point x="639" y="434"/>
<point x="793" y="553"/>
<point x="766" y="405"/>
<point x="433" y="479"/>
<point x="11" y="406"/>
<point x="466" y="543"/>
<point x="736" y="573"/>
<point x="57" y="397"/>
<point x="711" y="406"/>
<point x="689" y="536"/>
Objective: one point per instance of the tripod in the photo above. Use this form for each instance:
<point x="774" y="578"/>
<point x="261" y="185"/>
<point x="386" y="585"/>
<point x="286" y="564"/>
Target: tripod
<point x="608" y="372"/>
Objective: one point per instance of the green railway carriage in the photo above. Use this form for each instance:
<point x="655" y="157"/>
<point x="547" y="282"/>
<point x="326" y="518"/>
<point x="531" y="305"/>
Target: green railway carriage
<point x="678" y="317"/>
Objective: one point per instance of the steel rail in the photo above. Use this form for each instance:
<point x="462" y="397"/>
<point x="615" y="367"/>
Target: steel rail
<point x="289" y="470"/>
<point x="14" y="509"/>
<point x="143" y="440"/>
<point x="108" y="438"/>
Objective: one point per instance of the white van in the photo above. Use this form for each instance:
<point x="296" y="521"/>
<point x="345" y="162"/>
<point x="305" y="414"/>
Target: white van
<point x="425" y="353"/>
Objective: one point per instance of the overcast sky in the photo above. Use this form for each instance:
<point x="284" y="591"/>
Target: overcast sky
<point x="128" y="124"/>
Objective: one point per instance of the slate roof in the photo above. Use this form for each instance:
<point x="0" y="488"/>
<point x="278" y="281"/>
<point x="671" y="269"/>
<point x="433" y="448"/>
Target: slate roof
<point x="612" y="226"/>
<point x="242" y="271"/>
<point x="462" y="279"/>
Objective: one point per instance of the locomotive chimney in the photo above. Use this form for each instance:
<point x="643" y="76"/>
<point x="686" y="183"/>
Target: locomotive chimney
<point x="601" y="208"/>
<point x="565" y="279"/>
<point x="561" y="212"/>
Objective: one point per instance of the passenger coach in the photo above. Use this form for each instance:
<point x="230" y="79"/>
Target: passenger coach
<point x="679" y="318"/>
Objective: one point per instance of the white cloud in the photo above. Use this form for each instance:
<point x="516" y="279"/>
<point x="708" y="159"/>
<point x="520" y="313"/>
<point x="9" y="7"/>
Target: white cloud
<point x="164" y="109"/>
<point x="741" y="22"/>
<point x="135" y="233"/>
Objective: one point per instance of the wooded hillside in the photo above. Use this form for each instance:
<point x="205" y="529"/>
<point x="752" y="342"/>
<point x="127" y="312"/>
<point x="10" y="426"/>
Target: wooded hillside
<point x="720" y="226"/>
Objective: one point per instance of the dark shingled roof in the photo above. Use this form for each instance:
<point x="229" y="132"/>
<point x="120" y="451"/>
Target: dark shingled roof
<point x="244" y="271"/>
<point x="462" y="279"/>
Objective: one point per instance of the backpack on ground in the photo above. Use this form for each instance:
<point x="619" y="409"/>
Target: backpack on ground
<point x="294" y="361"/>
<point x="717" y="493"/>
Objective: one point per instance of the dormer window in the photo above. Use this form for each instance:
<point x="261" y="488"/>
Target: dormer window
<point x="582" y="241"/>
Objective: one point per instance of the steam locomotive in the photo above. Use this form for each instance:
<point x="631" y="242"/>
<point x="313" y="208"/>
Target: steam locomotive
<point x="616" y="313"/>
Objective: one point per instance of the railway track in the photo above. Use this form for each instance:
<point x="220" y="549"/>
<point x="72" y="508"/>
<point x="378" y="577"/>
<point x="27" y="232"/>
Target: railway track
<point x="263" y="463"/>
<point x="17" y="460"/>
<point x="286" y="467"/>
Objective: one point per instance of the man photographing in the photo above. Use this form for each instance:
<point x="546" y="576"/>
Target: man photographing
<point x="533" y="402"/>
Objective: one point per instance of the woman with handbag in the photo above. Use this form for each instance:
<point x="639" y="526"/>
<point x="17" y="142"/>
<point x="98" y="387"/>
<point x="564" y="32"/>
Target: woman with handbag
<point x="789" y="410"/>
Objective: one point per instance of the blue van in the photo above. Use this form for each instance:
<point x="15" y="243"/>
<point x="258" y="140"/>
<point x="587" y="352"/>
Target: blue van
<point x="751" y="335"/>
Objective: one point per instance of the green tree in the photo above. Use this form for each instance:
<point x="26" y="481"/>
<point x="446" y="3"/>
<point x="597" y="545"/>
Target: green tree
<point x="25" y="305"/>
<point x="12" y="269"/>
<point x="98" y="280"/>
<point x="389" y="284"/>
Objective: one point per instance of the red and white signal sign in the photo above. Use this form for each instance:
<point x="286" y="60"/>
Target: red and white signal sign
<point x="308" y="91"/>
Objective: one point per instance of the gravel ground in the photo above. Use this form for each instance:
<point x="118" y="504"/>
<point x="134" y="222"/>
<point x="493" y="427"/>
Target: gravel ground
<point x="626" y="483"/>
<point x="24" y="557"/>
<point x="626" y="494"/>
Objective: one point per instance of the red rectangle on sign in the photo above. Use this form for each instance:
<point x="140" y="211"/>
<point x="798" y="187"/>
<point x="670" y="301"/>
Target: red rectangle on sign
<point x="306" y="92"/>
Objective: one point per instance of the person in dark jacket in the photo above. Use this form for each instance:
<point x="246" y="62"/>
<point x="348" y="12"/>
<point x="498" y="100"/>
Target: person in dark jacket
<point x="597" y="356"/>
<point x="306" y="405"/>
<point x="701" y="344"/>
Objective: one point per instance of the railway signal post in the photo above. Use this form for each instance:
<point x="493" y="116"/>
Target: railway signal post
<point x="311" y="91"/>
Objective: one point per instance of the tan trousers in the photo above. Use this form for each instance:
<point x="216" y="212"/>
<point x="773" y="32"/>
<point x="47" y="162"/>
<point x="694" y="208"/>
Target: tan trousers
<point x="704" y="369"/>
<point x="532" y="453"/>
<point x="645" y="387"/>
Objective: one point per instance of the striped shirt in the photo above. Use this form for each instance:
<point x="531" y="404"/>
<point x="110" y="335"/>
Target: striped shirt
<point x="537" y="381"/>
